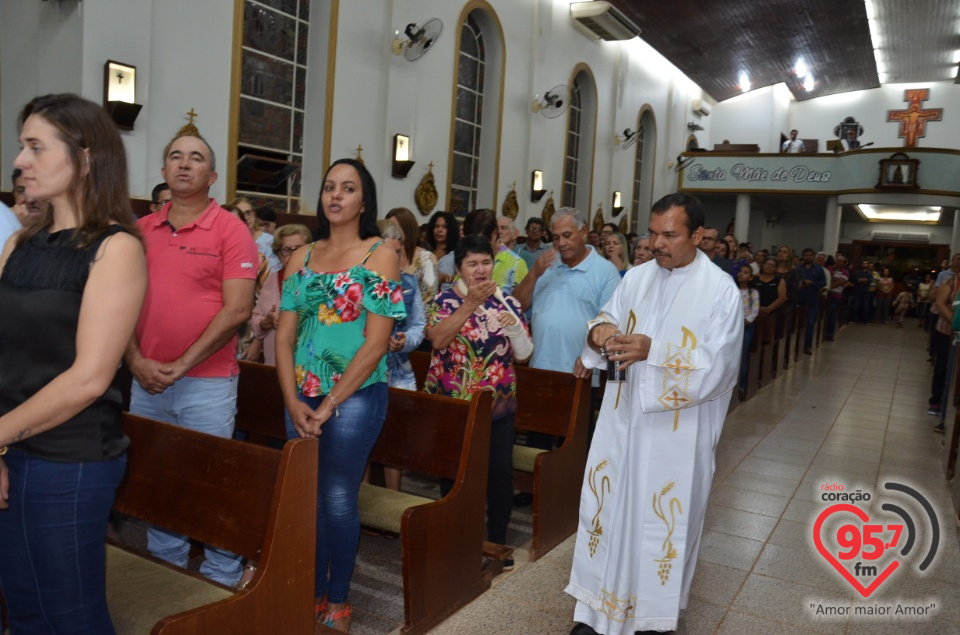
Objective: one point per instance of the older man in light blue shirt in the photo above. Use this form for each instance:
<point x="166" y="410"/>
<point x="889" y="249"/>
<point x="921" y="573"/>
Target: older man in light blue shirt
<point x="565" y="288"/>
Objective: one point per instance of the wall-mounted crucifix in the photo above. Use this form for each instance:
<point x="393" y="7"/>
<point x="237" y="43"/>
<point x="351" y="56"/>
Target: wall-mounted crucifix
<point x="913" y="120"/>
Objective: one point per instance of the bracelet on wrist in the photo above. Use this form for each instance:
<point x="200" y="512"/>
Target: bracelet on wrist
<point x="336" y="405"/>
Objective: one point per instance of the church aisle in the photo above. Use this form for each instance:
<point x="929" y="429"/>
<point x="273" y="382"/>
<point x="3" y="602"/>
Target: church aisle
<point x="853" y="414"/>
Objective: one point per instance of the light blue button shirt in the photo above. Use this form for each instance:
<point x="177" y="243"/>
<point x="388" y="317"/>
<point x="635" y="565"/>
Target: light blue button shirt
<point x="8" y="224"/>
<point x="564" y="300"/>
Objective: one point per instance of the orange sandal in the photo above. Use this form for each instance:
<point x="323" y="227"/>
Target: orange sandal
<point x="319" y="610"/>
<point x="346" y="611"/>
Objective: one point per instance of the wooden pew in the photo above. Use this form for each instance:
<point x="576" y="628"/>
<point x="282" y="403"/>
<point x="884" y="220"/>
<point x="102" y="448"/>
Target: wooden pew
<point x="557" y="404"/>
<point x="753" y="362"/>
<point x="251" y="500"/>
<point x="765" y="329"/>
<point x="800" y="331"/>
<point x="442" y="541"/>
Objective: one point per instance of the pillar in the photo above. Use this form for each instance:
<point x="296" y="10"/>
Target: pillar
<point x="831" y="228"/>
<point x="955" y="235"/>
<point x="742" y="218"/>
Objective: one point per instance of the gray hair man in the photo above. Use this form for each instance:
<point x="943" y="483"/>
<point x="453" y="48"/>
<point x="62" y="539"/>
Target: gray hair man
<point x="564" y="289"/>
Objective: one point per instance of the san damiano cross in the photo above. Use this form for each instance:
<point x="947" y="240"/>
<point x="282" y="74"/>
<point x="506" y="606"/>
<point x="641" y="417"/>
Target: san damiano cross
<point x="913" y="120"/>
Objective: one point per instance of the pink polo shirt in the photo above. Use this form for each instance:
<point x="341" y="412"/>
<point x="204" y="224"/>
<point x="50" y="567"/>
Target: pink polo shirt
<point x="186" y="269"/>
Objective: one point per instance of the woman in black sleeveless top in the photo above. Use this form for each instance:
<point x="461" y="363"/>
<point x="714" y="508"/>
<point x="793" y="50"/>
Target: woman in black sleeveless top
<point x="71" y="287"/>
<point x="770" y="287"/>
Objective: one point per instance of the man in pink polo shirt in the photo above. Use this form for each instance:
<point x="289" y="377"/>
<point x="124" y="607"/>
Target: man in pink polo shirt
<point x="201" y="262"/>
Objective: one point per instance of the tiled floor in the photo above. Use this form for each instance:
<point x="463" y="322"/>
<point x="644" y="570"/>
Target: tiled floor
<point x="853" y="414"/>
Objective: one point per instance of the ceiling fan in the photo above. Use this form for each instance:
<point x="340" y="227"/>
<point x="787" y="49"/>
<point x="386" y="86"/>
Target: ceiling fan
<point x="420" y="39"/>
<point x="553" y="103"/>
<point x="629" y="138"/>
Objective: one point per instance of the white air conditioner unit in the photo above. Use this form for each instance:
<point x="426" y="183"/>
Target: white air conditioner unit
<point x="602" y="20"/>
<point x="701" y="108"/>
<point x="900" y="237"/>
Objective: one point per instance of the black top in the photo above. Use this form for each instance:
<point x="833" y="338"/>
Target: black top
<point x="768" y="291"/>
<point x="41" y="289"/>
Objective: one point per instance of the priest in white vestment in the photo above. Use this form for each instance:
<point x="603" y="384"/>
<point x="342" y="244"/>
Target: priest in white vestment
<point x="675" y="325"/>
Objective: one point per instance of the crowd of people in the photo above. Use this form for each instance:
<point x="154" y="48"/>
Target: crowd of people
<point x="872" y="293"/>
<point x="183" y="293"/>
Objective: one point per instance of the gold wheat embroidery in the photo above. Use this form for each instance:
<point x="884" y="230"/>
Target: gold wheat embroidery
<point x="631" y="324"/>
<point x="669" y="551"/>
<point x="599" y="494"/>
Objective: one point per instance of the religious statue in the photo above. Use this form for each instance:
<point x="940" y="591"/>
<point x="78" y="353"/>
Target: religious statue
<point x="510" y="207"/>
<point x="548" y="209"/>
<point x="359" y="158"/>
<point x="426" y="193"/>
<point x="598" y="222"/>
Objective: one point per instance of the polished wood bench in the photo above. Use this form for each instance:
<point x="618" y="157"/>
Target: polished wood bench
<point x="251" y="500"/>
<point x="765" y="330"/>
<point x="441" y="540"/>
<point x="557" y="404"/>
<point x="753" y="361"/>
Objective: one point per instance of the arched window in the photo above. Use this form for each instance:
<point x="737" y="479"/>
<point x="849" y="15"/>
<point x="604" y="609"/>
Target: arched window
<point x="477" y="97"/>
<point x="272" y="103"/>
<point x="643" y="170"/>
<point x="572" y="159"/>
<point x="468" y="128"/>
<point x="638" y="175"/>
<point x="581" y="134"/>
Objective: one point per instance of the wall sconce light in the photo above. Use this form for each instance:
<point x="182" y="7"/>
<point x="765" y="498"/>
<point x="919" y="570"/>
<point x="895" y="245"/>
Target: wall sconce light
<point x="617" y="207"/>
<point x="536" y="186"/>
<point x="120" y="93"/>
<point x="401" y="156"/>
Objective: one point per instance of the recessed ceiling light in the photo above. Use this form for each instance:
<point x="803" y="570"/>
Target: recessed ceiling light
<point x="910" y="213"/>
<point x="801" y="68"/>
<point x="808" y="83"/>
<point x="744" y="82"/>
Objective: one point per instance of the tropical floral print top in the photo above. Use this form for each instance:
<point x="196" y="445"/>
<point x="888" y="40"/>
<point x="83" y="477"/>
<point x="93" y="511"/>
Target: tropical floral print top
<point x="479" y="356"/>
<point x="332" y="319"/>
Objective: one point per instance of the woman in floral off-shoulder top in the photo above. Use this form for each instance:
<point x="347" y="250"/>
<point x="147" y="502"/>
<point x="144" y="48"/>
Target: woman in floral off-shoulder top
<point x="340" y="298"/>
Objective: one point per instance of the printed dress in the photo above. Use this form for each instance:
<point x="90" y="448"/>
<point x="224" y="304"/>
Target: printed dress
<point x="332" y="319"/>
<point x="480" y="356"/>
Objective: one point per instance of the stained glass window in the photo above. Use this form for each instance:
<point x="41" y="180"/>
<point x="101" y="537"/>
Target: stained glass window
<point x="272" y="93"/>
<point x="467" y="125"/>
<point x="571" y="162"/>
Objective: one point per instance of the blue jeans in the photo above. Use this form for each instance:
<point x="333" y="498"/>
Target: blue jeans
<point x="345" y="444"/>
<point x="203" y="404"/>
<point x="52" y="538"/>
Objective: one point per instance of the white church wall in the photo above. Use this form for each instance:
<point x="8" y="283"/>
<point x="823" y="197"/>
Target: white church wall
<point x="753" y="117"/>
<point x="108" y="36"/>
<point x="178" y="47"/>
<point x="378" y="95"/>
<point x="38" y="56"/>
<point x="189" y="67"/>
<point x="816" y="118"/>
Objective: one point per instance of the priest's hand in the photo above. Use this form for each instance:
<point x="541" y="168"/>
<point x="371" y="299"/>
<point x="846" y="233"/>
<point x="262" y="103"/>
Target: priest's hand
<point x="628" y="349"/>
<point x="599" y="335"/>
